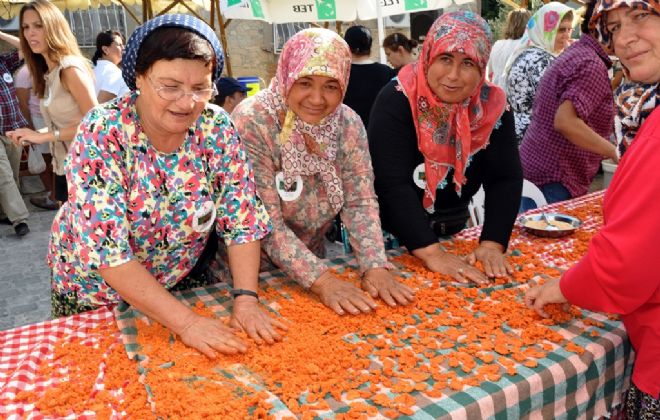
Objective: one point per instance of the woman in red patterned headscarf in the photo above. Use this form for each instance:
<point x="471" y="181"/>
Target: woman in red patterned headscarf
<point x="436" y="135"/>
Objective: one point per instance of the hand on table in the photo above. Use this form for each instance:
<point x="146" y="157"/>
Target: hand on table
<point x="380" y="282"/>
<point x="22" y="136"/>
<point x="492" y="258"/>
<point x="208" y="335"/>
<point x="439" y="261"/>
<point x="538" y="296"/>
<point x="341" y="296"/>
<point x="248" y="316"/>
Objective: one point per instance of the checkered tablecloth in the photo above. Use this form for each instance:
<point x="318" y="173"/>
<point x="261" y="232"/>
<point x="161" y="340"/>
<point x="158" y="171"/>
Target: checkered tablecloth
<point x="563" y="385"/>
<point x="23" y="349"/>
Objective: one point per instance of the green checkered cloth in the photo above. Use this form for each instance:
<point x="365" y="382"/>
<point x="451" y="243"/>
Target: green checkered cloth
<point x="563" y="385"/>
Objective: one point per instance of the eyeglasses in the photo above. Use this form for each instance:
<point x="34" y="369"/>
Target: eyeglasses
<point x="168" y="93"/>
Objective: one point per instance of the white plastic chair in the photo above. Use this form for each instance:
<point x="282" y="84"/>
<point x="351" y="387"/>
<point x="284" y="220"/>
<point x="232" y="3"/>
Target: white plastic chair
<point x="476" y="206"/>
<point x="532" y="191"/>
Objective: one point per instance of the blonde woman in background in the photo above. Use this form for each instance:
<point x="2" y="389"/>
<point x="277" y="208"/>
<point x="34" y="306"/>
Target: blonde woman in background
<point x="514" y="28"/>
<point x="61" y="77"/>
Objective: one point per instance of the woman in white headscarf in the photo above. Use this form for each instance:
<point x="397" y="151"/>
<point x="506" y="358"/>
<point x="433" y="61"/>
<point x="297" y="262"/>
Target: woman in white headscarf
<point x="548" y="33"/>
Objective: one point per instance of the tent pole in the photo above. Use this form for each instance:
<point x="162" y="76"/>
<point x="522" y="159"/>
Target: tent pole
<point x="381" y="32"/>
<point x="223" y="38"/>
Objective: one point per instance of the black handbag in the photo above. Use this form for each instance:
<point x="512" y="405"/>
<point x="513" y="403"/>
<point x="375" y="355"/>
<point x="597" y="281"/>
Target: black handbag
<point x="449" y="221"/>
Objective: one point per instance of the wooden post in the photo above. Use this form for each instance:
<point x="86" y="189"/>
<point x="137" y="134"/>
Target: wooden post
<point x="223" y="37"/>
<point x="130" y="12"/>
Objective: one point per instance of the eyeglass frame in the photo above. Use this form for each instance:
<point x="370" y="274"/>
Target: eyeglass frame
<point x="193" y="95"/>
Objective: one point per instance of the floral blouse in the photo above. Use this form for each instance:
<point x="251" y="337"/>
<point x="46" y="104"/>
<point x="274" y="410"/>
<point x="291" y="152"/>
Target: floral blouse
<point x="302" y="215"/>
<point x="522" y="84"/>
<point x="128" y="201"/>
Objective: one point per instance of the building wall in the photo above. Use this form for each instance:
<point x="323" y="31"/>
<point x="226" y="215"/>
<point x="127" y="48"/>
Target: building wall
<point x="249" y="46"/>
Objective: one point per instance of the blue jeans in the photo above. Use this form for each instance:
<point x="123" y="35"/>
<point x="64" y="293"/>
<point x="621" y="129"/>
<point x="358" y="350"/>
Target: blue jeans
<point x="553" y="193"/>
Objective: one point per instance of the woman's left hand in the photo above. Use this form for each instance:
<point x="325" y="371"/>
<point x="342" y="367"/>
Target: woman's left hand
<point x="248" y="316"/>
<point x="492" y="257"/>
<point x="379" y="282"/>
<point x="539" y="296"/>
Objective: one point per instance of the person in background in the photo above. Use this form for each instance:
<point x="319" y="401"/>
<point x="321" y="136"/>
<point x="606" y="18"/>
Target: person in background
<point x="61" y="77"/>
<point x="514" y="28"/>
<point x="107" y="57"/>
<point x="311" y="163"/>
<point x="12" y="206"/>
<point x="367" y="77"/>
<point x="399" y="50"/>
<point x="548" y="33"/>
<point x="573" y="115"/>
<point x="230" y="93"/>
<point x="618" y="273"/>
<point x="152" y="176"/>
<point x="437" y="134"/>
<point x="29" y="103"/>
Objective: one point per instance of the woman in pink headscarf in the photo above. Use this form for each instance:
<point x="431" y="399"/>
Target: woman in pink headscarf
<point x="311" y="162"/>
<point x="436" y="135"/>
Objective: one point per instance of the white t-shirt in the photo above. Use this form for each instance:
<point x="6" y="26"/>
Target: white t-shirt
<point x="108" y="78"/>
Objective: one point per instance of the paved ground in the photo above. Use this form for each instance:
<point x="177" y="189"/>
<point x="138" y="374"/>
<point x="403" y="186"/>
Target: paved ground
<point x="24" y="275"/>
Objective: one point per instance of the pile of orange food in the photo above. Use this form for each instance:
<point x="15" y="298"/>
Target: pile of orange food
<point x="371" y="365"/>
<point x="77" y="367"/>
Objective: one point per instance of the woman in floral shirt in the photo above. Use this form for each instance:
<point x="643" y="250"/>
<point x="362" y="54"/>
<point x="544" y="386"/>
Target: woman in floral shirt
<point x="548" y="33"/>
<point x="150" y="175"/>
<point x="311" y="162"/>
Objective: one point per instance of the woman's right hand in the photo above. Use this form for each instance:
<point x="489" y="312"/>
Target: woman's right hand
<point x="22" y="136"/>
<point x="342" y="296"/>
<point x="442" y="262"/>
<point x="209" y="335"/>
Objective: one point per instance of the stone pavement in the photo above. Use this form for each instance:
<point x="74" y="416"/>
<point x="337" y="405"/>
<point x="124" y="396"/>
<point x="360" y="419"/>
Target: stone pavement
<point x="24" y="275"/>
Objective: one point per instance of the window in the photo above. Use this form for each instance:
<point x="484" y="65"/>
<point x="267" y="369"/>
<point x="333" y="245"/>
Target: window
<point x="86" y="24"/>
<point x="283" y="31"/>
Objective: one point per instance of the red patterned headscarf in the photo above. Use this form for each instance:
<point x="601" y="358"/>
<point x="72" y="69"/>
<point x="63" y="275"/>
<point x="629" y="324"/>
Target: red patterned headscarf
<point x="308" y="149"/>
<point x="448" y="134"/>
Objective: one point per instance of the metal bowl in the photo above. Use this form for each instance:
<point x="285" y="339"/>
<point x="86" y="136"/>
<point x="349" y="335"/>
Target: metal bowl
<point x="549" y="231"/>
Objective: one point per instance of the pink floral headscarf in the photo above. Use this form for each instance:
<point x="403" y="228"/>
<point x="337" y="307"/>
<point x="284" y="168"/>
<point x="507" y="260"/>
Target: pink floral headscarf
<point x="308" y="149"/>
<point x="448" y="134"/>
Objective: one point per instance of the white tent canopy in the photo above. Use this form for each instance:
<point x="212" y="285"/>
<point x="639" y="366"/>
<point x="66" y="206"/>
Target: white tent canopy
<point x="284" y="11"/>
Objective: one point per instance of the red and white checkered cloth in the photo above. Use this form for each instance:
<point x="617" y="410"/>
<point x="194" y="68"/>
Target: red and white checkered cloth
<point x="23" y="349"/>
<point x="565" y="243"/>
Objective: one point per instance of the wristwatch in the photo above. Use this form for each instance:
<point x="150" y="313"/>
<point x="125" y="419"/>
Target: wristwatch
<point x="240" y="292"/>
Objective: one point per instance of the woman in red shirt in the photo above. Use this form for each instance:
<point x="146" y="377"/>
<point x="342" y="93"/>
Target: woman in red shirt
<point x="617" y="274"/>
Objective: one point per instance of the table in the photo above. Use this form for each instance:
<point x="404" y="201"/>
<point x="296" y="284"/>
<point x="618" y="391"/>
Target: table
<point x="581" y="375"/>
